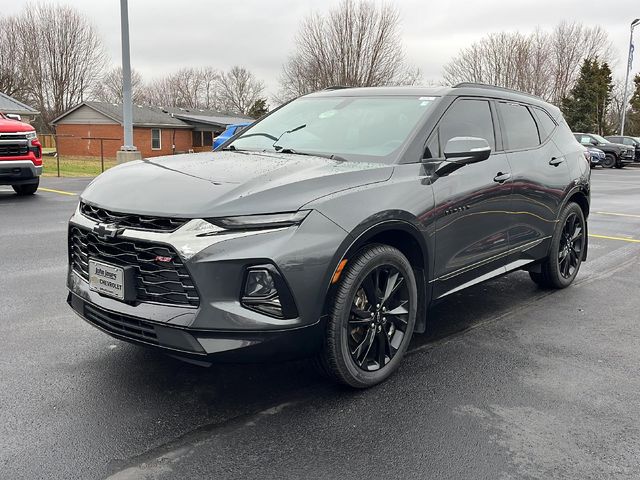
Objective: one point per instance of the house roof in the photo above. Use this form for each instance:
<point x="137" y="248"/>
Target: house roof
<point x="11" y="105"/>
<point x="148" y="116"/>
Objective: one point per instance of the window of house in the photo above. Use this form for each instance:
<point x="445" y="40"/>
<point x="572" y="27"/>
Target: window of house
<point x="196" y="139"/>
<point x="156" y="139"/>
<point x="207" y="139"/>
<point x="465" y="118"/>
<point x="519" y="127"/>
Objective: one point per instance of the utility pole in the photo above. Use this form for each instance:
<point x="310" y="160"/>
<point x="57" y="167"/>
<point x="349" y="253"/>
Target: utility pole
<point x="128" y="151"/>
<point x="626" y="79"/>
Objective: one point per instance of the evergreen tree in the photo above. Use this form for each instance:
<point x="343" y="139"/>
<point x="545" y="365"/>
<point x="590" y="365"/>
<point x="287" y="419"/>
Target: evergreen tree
<point x="259" y="108"/>
<point x="632" y="125"/>
<point x="586" y="106"/>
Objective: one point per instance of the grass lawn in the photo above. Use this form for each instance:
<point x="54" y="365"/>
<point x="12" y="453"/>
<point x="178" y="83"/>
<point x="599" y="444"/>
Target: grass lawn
<point x="75" y="166"/>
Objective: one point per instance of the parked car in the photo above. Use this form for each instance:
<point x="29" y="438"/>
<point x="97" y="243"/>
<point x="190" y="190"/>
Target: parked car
<point x="616" y="155"/>
<point x="329" y="227"/>
<point x="596" y="156"/>
<point x="20" y="156"/>
<point x="628" y="141"/>
<point x="229" y="132"/>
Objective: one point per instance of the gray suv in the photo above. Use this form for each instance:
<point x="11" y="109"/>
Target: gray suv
<point x="329" y="227"/>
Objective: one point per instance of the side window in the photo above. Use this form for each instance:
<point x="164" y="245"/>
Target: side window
<point x="519" y="127"/>
<point x="467" y="118"/>
<point x="628" y="141"/>
<point x="585" y="140"/>
<point x="545" y="123"/>
<point x="156" y="142"/>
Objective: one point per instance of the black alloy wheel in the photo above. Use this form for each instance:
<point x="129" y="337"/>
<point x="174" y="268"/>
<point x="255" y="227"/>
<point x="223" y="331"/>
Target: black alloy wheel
<point x="372" y="318"/>
<point x="378" y="318"/>
<point x="566" y="251"/>
<point x="571" y="244"/>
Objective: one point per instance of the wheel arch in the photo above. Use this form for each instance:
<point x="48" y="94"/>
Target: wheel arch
<point x="399" y="234"/>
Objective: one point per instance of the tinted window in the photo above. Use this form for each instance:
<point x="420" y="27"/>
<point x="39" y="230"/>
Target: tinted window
<point x="519" y="127"/>
<point x="613" y="139"/>
<point x="545" y="123"/>
<point x="467" y="118"/>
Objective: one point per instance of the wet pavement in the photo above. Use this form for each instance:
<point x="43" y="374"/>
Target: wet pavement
<point x="511" y="382"/>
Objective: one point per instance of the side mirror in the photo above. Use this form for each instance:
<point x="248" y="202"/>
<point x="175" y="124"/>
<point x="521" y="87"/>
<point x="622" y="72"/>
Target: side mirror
<point x="464" y="150"/>
<point x="595" y="142"/>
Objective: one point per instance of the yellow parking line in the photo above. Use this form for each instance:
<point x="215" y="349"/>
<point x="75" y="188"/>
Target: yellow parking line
<point x="619" y="214"/>
<point x="632" y="240"/>
<point x="61" y="192"/>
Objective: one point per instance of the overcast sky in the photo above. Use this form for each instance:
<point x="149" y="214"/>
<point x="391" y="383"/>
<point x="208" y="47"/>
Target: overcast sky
<point x="257" y="34"/>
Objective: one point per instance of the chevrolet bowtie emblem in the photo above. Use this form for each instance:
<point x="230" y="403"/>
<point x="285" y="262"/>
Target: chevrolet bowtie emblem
<point x="107" y="230"/>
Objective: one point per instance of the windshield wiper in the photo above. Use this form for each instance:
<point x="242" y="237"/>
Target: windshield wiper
<point x="330" y="156"/>
<point x="278" y="147"/>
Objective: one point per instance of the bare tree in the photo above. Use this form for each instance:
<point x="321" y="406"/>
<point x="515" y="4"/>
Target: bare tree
<point x="12" y="71"/>
<point x="238" y="90"/>
<point x="63" y="55"/>
<point x="186" y="88"/>
<point x="356" y="44"/>
<point x="546" y="64"/>
<point x="109" y="87"/>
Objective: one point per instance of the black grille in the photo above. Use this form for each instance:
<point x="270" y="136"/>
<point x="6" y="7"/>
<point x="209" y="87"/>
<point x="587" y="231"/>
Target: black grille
<point x="121" y="324"/>
<point x="13" y="150"/>
<point x="161" y="282"/>
<point x="128" y="220"/>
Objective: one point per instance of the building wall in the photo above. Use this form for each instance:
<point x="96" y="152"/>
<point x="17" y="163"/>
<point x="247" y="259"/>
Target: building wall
<point x="70" y="143"/>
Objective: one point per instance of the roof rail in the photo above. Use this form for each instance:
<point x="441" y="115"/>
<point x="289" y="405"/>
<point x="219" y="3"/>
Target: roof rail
<point x="494" y="87"/>
<point x="337" y="87"/>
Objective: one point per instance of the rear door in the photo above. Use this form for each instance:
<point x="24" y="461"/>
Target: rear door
<point x="472" y="203"/>
<point x="540" y="176"/>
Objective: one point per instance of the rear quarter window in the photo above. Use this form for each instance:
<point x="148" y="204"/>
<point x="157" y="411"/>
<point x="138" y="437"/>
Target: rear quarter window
<point x="521" y="130"/>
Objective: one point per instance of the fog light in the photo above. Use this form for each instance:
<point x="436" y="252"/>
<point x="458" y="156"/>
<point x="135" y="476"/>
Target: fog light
<point x="266" y="292"/>
<point x="259" y="284"/>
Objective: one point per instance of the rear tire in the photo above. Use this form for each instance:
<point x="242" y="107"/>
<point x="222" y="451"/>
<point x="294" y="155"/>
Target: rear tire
<point x="372" y="318"/>
<point x="609" y="160"/>
<point x="562" y="264"/>
<point x="26" y="189"/>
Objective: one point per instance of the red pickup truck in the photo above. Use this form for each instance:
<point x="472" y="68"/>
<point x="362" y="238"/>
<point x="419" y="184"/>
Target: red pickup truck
<point x="20" y="156"/>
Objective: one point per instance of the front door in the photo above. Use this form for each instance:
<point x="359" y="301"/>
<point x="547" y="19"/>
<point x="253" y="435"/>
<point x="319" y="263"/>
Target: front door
<point x="472" y="203"/>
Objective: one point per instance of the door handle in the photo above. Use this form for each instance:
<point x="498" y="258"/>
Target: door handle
<point x="501" y="177"/>
<point x="556" y="161"/>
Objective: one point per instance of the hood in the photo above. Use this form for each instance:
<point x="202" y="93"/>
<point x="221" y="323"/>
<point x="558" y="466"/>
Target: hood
<point x="8" y="125"/>
<point x="216" y="184"/>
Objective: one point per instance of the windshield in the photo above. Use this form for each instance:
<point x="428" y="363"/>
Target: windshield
<point x="354" y="128"/>
<point x="600" y="139"/>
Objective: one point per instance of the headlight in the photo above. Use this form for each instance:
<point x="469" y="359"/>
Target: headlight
<point x="272" y="220"/>
<point x="31" y="135"/>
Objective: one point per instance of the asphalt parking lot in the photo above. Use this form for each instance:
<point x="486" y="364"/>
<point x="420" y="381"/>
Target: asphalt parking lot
<point x="512" y="382"/>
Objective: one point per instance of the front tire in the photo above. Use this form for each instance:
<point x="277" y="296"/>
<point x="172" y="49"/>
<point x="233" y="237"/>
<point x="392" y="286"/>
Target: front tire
<point x="609" y="160"/>
<point x="372" y="318"/>
<point x="561" y="266"/>
<point x="27" y="188"/>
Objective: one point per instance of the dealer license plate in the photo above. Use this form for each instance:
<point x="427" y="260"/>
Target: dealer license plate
<point x="106" y="279"/>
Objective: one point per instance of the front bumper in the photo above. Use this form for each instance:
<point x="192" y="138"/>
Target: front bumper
<point x="627" y="157"/>
<point x="202" y="346"/>
<point x="16" y="172"/>
<point x="220" y="326"/>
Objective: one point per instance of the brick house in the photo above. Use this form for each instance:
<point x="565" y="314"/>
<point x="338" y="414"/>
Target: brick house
<point x="156" y="130"/>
